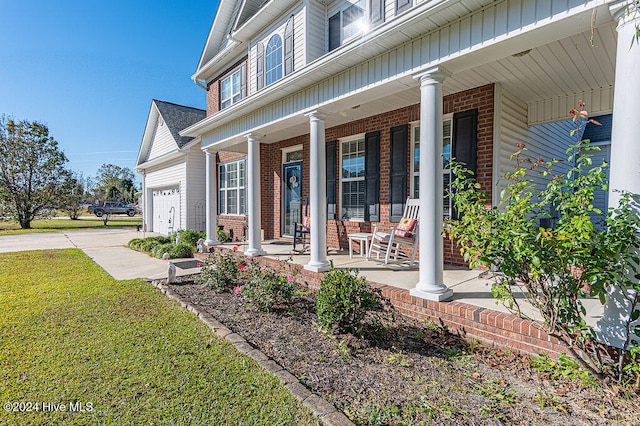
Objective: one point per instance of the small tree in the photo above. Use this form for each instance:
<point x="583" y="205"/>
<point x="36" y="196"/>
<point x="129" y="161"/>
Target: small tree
<point x="32" y="170"/>
<point x="72" y="196"/>
<point x="555" y="265"/>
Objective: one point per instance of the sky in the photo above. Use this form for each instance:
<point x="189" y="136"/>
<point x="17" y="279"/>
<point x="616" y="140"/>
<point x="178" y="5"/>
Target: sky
<point x="89" y="69"/>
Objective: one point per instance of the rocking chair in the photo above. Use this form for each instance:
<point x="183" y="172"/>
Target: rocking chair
<point x="400" y="244"/>
<point x="302" y="230"/>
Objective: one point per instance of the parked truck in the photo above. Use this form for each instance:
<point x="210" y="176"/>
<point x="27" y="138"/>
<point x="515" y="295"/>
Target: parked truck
<point x="112" y="207"/>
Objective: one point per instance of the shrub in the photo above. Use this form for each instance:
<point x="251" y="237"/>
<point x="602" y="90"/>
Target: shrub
<point x="135" y="243"/>
<point x="221" y="271"/>
<point x="267" y="288"/>
<point x="190" y="237"/>
<point x="181" y="250"/>
<point x="148" y="244"/>
<point x="344" y="300"/>
<point x="222" y="236"/>
<point x="160" y="249"/>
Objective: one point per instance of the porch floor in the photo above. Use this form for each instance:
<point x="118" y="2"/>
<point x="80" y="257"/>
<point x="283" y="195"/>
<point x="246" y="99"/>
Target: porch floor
<point x="469" y="286"/>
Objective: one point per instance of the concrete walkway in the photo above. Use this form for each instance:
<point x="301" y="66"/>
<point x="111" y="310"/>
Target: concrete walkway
<point x="107" y="247"/>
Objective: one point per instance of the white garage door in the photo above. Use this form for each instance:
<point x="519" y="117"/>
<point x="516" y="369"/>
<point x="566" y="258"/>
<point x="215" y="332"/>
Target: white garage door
<point x="166" y="210"/>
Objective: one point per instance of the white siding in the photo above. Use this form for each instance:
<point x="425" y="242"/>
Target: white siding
<point x="600" y="101"/>
<point x="196" y="189"/>
<point x="316" y="30"/>
<point x="546" y="141"/>
<point x="299" y="43"/>
<point x="485" y="27"/>
<point x="162" y="141"/>
<point x="169" y="176"/>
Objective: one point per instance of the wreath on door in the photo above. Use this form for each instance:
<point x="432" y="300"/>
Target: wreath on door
<point x="293" y="182"/>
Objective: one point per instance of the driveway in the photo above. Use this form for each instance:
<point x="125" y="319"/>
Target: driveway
<point x="107" y="247"/>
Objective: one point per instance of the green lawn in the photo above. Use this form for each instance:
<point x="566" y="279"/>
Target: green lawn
<point x="71" y="334"/>
<point x="64" y="224"/>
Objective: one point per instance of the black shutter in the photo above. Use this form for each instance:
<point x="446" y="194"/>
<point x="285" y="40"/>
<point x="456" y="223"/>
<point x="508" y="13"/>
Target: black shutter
<point x="288" y="47"/>
<point x="464" y="145"/>
<point x="402" y="5"/>
<point x="398" y="177"/>
<point x="243" y="80"/>
<point x="372" y="176"/>
<point x="260" y="66"/>
<point x="334" y="31"/>
<point x="376" y="12"/>
<point x="331" y="179"/>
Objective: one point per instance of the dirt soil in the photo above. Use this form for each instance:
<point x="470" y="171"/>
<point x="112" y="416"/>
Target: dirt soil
<point x="412" y="373"/>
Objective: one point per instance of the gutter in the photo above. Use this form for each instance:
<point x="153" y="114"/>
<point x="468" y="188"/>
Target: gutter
<point x="173" y="155"/>
<point x="215" y="61"/>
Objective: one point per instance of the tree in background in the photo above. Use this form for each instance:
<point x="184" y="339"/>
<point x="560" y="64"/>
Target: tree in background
<point x="32" y="170"/>
<point x="73" y="195"/>
<point x="115" y="183"/>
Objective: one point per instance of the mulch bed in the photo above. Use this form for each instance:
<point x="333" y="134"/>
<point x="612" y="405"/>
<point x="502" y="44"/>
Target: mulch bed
<point x="412" y="373"/>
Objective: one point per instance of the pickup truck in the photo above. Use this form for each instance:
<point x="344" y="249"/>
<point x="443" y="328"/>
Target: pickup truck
<point x="112" y="207"/>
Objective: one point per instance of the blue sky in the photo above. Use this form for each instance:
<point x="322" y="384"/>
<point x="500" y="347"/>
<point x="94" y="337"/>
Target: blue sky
<point x="90" y="69"/>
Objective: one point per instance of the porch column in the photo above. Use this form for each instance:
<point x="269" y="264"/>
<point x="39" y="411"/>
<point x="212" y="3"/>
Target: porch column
<point x="211" y="200"/>
<point x="431" y="284"/>
<point x="254" y="205"/>
<point x="624" y="173"/>
<point x="318" y="193"/>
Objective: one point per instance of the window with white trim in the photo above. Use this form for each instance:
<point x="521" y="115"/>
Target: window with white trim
<point x="230" y="89"/>
<point x="347" y="23"/>
<point x="273" y="60"/>
<point x="231" y="188"/>
<point x="447" y="132"/>
<point x="352" y="183"/>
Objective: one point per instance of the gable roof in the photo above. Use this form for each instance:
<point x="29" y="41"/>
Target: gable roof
<point x="176" y="117"/>
<point x="179" y="117"/>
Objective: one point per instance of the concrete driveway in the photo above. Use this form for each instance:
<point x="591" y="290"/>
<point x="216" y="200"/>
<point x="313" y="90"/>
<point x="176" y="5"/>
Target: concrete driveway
<point x="107" y="247"/>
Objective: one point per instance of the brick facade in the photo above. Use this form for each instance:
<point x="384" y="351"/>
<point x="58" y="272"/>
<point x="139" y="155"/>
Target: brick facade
<point x="481" y="98"/>
<point x="213" y="88"/>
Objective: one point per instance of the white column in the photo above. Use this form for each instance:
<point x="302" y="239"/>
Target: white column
<point x="211" y="200"/>
<point x="318" y="192"/>
<point x="253" y="196"/>
<point x="624" y="171"/>
<point x="431" y="284"/>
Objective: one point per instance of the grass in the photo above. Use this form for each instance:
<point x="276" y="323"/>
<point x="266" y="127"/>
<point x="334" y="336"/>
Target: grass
<point x="71" y="334"/>
<point x="64" y="224"/>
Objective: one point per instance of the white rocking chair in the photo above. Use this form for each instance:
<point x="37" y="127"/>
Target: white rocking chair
<point x="400" y="244"/>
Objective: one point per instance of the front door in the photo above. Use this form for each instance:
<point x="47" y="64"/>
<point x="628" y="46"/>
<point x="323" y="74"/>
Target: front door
<point x="291" y="196"/>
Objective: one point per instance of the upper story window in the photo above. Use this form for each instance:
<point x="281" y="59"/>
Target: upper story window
<point x="355" y="17"/>
<point x="231" y="88"/>
<point x="273" y="60"/>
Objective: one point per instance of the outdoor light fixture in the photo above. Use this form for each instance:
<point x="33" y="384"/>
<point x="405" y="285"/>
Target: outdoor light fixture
<point x="521" y="54"/>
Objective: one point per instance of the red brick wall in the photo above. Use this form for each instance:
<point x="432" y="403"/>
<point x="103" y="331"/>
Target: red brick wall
<point x="213" y="88"/>
<point x="337" y="230"/>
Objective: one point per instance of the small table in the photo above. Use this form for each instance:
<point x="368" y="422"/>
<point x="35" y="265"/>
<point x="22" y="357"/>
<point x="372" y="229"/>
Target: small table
<point x="363" y="238"/>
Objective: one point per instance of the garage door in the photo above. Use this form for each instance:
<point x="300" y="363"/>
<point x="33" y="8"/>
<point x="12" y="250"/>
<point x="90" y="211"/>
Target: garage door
<point x="166" y="210"/>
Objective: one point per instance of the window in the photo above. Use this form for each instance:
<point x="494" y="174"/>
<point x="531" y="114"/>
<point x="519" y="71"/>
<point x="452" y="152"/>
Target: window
<point x="352" y="179"/>
<point x="347" y="23"/>
<point x="231" y="188"/>
<point x="273" y="60"/>
<point x="230" y="89"/>
<point x="447" y="128"/>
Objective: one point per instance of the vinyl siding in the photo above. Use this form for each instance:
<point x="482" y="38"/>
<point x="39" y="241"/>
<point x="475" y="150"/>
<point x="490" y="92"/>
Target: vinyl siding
<point x="170" y="176"/>
<point x="316" y="36"/>
<point x="196" y="184"/>
<point x="546" y="141"/>
<point x="162" y="142"/>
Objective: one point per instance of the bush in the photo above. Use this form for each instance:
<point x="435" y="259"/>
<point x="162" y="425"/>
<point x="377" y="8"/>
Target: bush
<point x="135" y="243"/>
<point x="181" y="250"/>
<point x="148" y="245"/>
<point x="160" y="249"/>
<point x="190" y="237"/>
<point x="222" y="271"/>
<point x="344" y="300"/>
<point x="267" y="288"/>
<point x="222" y="236"/>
